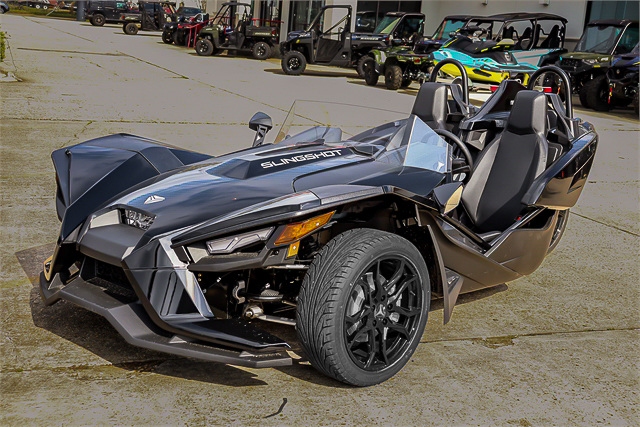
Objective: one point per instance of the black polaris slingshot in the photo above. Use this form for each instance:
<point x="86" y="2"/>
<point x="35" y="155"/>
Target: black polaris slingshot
<point x="346" y="237"/>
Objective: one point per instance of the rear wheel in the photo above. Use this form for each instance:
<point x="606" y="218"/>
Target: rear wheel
<point x="370" y="74"/>
<point x="360" y="66"/>
<point x="204" y="47"/>
<point x="261" y="51"/>
<point x="597" y="91"/>
<point x="363" y="306"/>
<point x="293" y="63"/>
<point x="130" y="28"/>
<point x="561" y="225"/>
<point x="405" y="82"/>
<point x="167" y="37"/>
<point x="178" y="38"/>
<point x="393" y="77"/>
<point x="97" y="20"/>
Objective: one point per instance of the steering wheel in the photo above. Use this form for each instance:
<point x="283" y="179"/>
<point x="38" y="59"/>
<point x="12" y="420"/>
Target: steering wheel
<point x="467" y="169"/>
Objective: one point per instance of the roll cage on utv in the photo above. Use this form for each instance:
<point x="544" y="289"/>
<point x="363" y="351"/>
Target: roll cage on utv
<point x="231" y="29"/>
<point x="329" y="41"/>
<point x="593" y="55"/>
<point x="538" y="37"/>
<point x="151" y="16"/>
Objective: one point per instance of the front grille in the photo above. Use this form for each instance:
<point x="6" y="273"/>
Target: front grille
<point x="110" y="278"/>
<point x="570" y="63"/>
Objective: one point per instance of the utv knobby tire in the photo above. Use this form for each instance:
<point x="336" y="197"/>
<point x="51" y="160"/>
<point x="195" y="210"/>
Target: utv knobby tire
<point x="261" y="51"/>
<point x="360" y="66"/>
<point x="178" y="38"/>
<point x="130" y="28"/>
<point x="393" y="77"/>
<point x="558" y="232"/>
<point x="97" y="20"/>
<point x="370" y="74"/>
<point x="167" y="37"/>
<point x="329" y="290"/>
<point x="204" y="47"/>
<point x="583" y="97"/>
<point x="293" y="63"/>
<point x="597" y="91"/>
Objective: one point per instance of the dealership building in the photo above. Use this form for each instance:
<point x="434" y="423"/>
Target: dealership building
<point x="291" y="15"/>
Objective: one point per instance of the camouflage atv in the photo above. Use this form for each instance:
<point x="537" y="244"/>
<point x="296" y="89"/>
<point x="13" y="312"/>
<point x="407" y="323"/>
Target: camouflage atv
<point x="400" y="65"/>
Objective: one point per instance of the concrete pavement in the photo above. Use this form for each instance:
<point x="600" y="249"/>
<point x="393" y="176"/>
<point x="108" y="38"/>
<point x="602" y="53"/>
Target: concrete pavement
<point x="559" y="347"/>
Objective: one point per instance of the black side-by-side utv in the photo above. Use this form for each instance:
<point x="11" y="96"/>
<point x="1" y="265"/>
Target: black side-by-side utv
<point x="329" y="41"/>
<point x="151" y="16"/>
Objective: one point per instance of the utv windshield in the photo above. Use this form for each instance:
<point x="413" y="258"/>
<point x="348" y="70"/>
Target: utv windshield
<point x="598" y="39"/>
<point x="387" y="25"/>
<point x="387" y="136"/>
<point x="447" y="27"/>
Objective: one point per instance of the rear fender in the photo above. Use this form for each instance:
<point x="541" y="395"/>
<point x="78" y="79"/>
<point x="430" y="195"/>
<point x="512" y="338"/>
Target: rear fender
<point x="93" y="172"/>
<point x="559" y="187"/>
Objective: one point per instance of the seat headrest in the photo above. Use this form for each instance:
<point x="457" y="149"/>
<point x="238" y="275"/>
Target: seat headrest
<point x="431" y="104"/>
<point x="528" y="114"/>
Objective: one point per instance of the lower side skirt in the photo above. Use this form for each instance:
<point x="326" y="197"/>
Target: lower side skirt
<point x="132" y="322"/>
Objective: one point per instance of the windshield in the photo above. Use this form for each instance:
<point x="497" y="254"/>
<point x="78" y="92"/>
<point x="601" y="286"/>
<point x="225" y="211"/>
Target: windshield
<point x="399" y="140"/>
<point x="188" y="11"/>
<point x="387" y="24"/>
<point x="598" y="39"/>
<point x="447" y="27"/>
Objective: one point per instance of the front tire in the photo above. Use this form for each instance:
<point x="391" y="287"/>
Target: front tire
<point x="558" y="232"/>
<point x="167" y="37"/>
<point x="363" y="306"/>
<point x="360" y="66"/>
<point x="97" y="20"/>
<point x="370" y="75"/>
<point x="597" y="92"/>
<point x="293" y="63"/>
<point x="178" y="38"/>
<point x="393" y="77"/>
<point x="131" y="29"/>
<point x="204" y="47"/>
<point x="261" y="51"/>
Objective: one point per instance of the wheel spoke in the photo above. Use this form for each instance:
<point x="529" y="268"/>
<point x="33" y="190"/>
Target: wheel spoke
<point x="401" y="289"/>
<point x="405" y="312"/>
<point x="396" y="277"/>
<point x="359" y="316"/>
<point x="373" y="349"/>
<point x="383" y="346"/>
<point x="399" y="328"/>
<point x="353" y="341"/>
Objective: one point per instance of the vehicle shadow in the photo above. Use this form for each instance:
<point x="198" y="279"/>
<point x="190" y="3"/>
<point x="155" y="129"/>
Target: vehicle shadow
<point x="316" y="73"/>
<point x="94" y="333"/>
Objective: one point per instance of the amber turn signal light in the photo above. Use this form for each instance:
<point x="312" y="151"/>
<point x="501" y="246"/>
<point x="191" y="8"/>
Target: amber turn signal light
<point x="298" y="230"/>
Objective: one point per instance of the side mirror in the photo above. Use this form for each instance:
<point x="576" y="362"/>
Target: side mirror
<point x="261" y="124"/>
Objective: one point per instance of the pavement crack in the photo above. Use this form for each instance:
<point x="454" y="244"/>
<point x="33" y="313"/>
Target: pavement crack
<point x="606" y="225"/>
<point x="502" y="340"/>
<point x="284" y="402"/>
<point x="70" y="51"/>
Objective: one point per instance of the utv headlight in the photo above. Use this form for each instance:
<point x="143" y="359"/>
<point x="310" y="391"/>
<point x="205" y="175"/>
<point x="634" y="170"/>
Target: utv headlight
<point x="137" y="219"/>
<point x="229" y="244"/>
<point x="589" y="61"/>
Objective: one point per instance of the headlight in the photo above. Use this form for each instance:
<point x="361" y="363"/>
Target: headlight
<point x="590" y="61"/>
<point x="229" y="244"/>
<point x="137" y="219"/>
<point x="298" y="230"/>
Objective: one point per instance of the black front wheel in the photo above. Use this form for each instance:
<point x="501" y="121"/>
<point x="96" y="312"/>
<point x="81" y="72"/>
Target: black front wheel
<point x="167" y="37"/>
<point x="130" y="28"/>
<point x="393" y="77"/>
<point x="179" y="38"/>
<point x="293" y="63"/>
<point x="261" y="51"/>
<point x="561" y="226"/>
<point x="204" y="47"/>
<point x="370" y="74"/>
<point x="97" y="20"/>
<point x="363" y="306"/>
<point x="597" y="92"/>
<point x="360" y="66"/>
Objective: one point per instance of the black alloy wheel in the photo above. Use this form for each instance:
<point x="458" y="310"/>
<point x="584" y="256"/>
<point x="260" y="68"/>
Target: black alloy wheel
<point x="131" y="29"/>
<point x="363" y="306"/>
<point x="204" y="47"/>
<point x="98" y="20"/>
<point x="261" y="51"/>
<point x="293" y="63"/>
<point x="383" y="309"/>
<point x="167" y="37"/>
